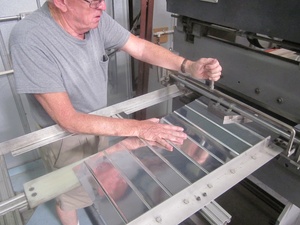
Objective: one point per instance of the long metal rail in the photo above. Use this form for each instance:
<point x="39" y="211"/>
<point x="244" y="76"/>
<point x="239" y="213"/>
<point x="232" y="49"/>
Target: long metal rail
<point x="7" y="72"/>
<point x="7" y="198"/>
<point x="15" y="17"/>
<point x="287" y="131"/>
<point x="54" y="133"/>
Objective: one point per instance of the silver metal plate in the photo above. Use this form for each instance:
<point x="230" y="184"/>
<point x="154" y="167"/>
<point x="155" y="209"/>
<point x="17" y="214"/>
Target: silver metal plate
<point x="148" y="185"/>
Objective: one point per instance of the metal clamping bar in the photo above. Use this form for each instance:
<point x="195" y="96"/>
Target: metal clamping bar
<point x="202" y="89"/>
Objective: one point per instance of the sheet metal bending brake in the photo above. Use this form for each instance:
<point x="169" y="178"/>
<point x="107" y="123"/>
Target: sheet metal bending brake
<point x="230" y="134"/>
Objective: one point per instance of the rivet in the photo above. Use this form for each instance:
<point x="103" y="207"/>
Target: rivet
<point x="186" y="201"/>
<point x="280" y="100"/>
<point x="158" y="219"/>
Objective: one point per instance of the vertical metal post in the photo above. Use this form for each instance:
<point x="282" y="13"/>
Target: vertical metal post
<point x="145" y="33"/>
<point x="38" y="3"/>
<point x="130" y="2"/>
<point x="8" y="66"/>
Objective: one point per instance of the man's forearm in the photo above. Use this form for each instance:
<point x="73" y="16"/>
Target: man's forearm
<point x="159" y="56"/>
<point x="153" y="54"/>
<point x="99" y="125"/>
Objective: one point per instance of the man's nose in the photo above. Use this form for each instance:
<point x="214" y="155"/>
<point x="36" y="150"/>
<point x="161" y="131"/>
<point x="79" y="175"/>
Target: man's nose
<point x="101" y="5"/>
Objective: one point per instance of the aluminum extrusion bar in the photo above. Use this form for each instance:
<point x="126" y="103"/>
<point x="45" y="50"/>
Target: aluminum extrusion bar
<point x="54" y="133"/>
<point x="9" y="18"/>
<point x="16" y="17"/>
<point x="215" y="214"/>
<point x="7" y="72"/>
<point x="9" y="203"/>
<point x="16" y="203"/>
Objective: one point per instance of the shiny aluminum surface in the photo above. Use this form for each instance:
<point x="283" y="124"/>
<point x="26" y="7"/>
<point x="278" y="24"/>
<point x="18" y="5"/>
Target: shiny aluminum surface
<point x="132" y="177"/>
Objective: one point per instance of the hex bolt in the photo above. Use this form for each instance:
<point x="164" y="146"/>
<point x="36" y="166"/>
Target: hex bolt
<point x="34" y="194"/>
<point x="257" y="91"/>
<point x="198" y="198"/>
<point x="31" y="189"/>
<point x="204" y="194"/>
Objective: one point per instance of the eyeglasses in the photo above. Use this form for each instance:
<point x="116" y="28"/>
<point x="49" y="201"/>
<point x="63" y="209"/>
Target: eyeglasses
<point x="94" y="4"/>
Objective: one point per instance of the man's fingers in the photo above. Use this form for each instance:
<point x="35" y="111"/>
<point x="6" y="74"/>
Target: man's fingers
<point x="213" y="70"/>
<point x="163" y="134"/>
<point x="165" y="144"/>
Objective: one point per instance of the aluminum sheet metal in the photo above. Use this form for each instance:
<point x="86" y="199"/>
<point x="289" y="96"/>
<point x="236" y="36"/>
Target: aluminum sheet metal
<point x="131" y="178"/>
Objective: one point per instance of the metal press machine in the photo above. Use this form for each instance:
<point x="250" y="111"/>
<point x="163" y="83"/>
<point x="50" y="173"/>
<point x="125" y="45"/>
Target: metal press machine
<point x="245" y="126"/>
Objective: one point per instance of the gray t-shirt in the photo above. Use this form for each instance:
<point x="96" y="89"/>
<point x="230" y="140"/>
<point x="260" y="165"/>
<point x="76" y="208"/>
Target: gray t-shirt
<point x="47" y="59"/>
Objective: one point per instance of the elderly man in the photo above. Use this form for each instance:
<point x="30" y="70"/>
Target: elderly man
<point x="60" y="63"/>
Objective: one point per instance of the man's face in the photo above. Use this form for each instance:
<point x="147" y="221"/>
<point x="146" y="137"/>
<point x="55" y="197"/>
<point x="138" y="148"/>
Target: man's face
<point x="81" y="16"/>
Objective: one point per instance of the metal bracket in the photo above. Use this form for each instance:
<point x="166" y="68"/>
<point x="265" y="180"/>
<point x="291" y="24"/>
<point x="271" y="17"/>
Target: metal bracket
<point x="290" y="215"/>
<point x="212" y="1"/>
<point x="226" y="114"/>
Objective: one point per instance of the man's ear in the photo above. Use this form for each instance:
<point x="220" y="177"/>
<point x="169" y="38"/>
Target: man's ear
<point x="60" y="4"/>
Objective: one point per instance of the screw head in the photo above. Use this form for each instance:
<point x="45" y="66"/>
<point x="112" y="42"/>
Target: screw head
<point x="186" y="201"/>
<point x="209" y="185"/>
<point x="232" y="171"/>
<point x="158" y="219"/>
<point x="280" y="100"/>
<point x="257" y="91"/>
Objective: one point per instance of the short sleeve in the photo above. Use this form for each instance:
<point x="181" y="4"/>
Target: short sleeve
<point x="34" y="69"/>
<point x="115" y="36"/>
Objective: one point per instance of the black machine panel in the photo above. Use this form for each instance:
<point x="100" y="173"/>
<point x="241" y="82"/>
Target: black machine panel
<point x="275" y="18"/>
